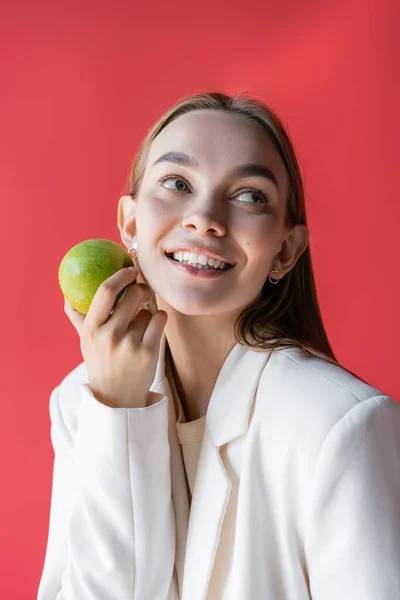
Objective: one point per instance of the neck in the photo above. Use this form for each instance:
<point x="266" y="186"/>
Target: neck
<point x="198" y="347"/>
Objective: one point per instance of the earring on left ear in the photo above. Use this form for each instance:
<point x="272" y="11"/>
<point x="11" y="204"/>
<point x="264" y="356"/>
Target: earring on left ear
<point x="274" y="275"/>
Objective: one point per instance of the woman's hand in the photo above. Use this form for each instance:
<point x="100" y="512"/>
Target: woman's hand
<point x="120" y="350"/>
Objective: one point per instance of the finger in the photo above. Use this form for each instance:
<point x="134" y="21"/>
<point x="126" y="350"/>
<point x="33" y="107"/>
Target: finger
<point x="152" y="336"/>
<point x="104" y="298"/>
<point x="77" y="319"/>
<point x="137" y="327"/>
<point x="128" y="306"/>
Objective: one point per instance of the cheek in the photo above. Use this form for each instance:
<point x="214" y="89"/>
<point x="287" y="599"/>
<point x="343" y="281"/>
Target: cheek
<point x="151" y="218"/>
<point x="259" y="250"/>
<point x="260" y="243"/>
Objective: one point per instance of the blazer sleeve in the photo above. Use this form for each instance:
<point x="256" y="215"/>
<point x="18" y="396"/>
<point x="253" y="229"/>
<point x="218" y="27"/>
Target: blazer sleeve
<point x="111" y="530"/>
<point x="353" y="536"/>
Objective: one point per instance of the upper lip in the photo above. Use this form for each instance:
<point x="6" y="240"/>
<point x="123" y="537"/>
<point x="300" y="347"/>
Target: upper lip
<point x="201" y="250"/>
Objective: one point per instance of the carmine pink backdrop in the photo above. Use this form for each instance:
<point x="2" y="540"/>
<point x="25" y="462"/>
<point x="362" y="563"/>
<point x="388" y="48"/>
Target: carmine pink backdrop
<point x="81" y="82"/>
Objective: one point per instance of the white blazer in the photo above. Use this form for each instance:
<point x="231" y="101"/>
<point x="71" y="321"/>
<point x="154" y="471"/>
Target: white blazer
<point x="297" y="494"/>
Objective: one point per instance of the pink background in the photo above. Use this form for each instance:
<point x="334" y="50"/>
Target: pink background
<point x="80" y="85"/>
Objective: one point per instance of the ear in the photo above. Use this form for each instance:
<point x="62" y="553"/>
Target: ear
<point x="293" y="247"/>
<point x="127" y="219"/>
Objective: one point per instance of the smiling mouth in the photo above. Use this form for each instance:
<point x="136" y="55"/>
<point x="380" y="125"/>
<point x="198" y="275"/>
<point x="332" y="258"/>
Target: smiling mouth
<point x="210" y="268"/>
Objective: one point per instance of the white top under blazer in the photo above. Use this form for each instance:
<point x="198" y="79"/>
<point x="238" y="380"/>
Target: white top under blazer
<point x="296" y="496"/>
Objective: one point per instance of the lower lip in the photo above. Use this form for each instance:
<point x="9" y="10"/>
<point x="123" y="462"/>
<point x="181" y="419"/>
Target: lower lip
<point x="200" y="273"/>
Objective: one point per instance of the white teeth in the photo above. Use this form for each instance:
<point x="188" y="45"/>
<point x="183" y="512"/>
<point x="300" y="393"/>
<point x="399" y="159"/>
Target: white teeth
<point x="198" y="260"/>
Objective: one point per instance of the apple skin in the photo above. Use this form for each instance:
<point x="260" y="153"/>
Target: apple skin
<point x="86" y="265"/>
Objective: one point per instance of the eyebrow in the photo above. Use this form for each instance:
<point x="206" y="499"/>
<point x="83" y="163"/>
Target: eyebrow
<point x="248" y="170"/>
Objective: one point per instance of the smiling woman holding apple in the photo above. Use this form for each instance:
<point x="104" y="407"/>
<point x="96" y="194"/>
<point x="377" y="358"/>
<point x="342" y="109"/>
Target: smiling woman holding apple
<point x="210" y="446"/>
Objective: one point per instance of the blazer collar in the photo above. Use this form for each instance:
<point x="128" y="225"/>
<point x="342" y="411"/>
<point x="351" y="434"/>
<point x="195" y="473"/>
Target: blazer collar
<point x="231" y="400"/>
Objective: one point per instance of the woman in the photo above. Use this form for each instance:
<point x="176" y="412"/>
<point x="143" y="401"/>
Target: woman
<point x="210" y="446"/>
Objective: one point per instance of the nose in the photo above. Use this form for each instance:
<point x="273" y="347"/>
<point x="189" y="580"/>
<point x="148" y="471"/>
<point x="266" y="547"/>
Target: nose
<point x="205" y="219"/>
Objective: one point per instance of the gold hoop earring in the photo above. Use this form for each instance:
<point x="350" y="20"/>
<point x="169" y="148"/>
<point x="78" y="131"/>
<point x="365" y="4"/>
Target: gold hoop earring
<point x="275" y="273"/>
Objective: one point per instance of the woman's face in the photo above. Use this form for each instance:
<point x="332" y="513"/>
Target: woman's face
<point x="202" y="198"/>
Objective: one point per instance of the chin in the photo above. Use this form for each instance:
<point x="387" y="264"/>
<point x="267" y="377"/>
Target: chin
<point x="195" y="308"/>
<point x="194" y="311"/>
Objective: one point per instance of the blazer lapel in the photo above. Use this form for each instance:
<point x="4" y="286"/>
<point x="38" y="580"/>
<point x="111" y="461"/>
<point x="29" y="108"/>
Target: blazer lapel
<point x="227" y="418"/>
<point x="228" y="415"/>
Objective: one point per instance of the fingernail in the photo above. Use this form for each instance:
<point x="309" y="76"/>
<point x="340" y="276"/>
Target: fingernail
<point x="132" y="269"/>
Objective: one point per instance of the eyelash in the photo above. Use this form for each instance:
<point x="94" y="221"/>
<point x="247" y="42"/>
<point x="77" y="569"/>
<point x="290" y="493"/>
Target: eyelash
<point x="264" y="197"/>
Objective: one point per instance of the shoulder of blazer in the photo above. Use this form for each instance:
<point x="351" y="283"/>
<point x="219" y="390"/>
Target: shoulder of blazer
<point x="301" y="398"/>
<point x="317" y="388"/>
<point x="322" y="376"/>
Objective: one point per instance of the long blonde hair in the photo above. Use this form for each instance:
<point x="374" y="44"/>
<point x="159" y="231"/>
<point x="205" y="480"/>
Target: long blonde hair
<point x="287" y="314"/>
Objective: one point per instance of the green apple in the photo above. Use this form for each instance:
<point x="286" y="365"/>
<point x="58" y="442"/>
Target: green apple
<point x="86" y="265"/>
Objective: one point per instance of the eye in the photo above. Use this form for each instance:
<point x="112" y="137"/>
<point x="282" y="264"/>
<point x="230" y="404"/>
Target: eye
<point x="181" y="184"/>
<point x="256" y="197"/>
